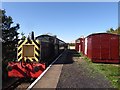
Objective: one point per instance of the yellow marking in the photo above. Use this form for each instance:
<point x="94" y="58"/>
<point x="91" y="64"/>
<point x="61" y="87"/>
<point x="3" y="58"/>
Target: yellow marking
<point x="22" y="44"/>
<point x="37" y="54"/>
<point x="20" y="41"/>
<point x="36" y="59"/>
<point x="28" y="58"/>
<point x="20" y="53"/>
<point x="35" y="51"/>
<point x="19" y="58"/>
<point x="37" y="47"/>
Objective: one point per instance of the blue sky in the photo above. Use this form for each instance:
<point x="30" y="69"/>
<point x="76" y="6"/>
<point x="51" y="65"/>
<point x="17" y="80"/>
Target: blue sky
<point x="67" y="20"/>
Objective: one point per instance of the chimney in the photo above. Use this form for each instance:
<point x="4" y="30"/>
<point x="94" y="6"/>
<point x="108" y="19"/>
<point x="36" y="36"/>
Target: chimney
<point x="32" y="35"/>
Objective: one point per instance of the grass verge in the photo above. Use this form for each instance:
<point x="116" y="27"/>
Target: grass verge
<point x="110" y="71"/>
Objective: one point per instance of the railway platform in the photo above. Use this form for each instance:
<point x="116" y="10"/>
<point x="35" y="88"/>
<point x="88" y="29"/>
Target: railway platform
<point x="71" y="71"/>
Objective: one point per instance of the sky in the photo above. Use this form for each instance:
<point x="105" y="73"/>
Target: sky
<point x="67" y="20"/>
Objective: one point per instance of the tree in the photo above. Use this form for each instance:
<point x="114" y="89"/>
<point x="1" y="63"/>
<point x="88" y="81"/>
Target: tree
<point x="111" y="30"/>
<point x="9" y="37"/>
<point x="116" y="31"/>
<point x="23" y="36"/>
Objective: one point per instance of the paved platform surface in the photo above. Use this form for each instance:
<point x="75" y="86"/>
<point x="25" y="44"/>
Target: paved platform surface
<point x="51" y="78"/>
<point x="71" y="71"/>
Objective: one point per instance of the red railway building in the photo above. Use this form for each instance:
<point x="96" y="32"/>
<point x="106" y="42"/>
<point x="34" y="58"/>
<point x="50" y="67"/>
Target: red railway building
<point x="79" y="45"/>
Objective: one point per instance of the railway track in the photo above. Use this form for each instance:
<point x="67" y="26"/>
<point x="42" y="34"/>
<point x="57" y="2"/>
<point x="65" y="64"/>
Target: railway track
<point x="24" y="84"/>
<point x="13" y="85"/>
<point x="19" y="84"/>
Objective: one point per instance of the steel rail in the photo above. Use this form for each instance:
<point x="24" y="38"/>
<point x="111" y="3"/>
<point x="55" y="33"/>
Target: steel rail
<point x="13" y="85"/>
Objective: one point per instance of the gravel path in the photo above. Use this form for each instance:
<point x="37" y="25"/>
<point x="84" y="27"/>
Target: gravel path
<point x="77" y="74"/>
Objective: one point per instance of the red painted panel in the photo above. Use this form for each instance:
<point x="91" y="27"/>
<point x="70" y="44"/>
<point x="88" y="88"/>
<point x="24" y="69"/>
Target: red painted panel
<point x="89" y="47"/>
<point x="96" y="53"/>
<point x="79" y="44"/>
<point x="105" y="53"/>
<point x="106" y="61"/>
<point x="96" y="46"/>
<point x="83" y="46"/>
<point x="103" y="47"/>
<point x="25" y="70"/>
<point x="114" y="45"/>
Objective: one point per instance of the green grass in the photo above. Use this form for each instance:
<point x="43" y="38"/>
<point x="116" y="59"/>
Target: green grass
<point x="77" y="54"/>
<point x="110" y="71"/>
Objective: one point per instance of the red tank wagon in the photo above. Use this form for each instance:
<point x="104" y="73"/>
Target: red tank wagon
<point x="103" y="47"/>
